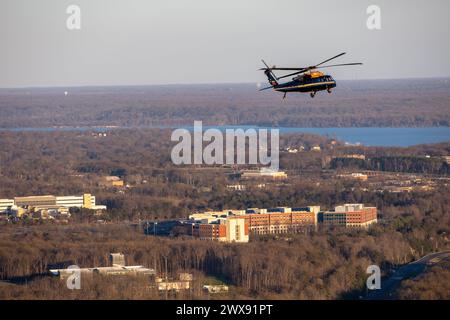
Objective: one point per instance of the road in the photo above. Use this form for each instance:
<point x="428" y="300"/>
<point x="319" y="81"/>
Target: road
<point x="411" y="270"/>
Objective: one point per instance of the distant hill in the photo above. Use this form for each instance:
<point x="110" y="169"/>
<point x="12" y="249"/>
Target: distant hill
<point x="365" y="103"/>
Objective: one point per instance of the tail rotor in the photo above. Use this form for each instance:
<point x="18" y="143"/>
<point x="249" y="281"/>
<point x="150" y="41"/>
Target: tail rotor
<point x="270" y="75"/>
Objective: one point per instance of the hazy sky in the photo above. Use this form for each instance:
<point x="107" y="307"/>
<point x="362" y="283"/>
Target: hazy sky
<point x="126" y="42"/>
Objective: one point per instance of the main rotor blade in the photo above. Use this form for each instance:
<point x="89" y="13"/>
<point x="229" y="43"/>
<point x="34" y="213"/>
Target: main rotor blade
<point x="311" y="67"/>
<point x="265" y="65"/>
<point x="293" y="74"/>
<point x="341" y="54"/>
<point x="340" y="65"/>
<point x="271" y="87"/>
<point x="285" y="69"/>
<point x="303" y="70"/>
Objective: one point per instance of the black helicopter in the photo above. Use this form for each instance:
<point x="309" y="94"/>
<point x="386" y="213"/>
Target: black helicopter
<point x="307" y="79"/>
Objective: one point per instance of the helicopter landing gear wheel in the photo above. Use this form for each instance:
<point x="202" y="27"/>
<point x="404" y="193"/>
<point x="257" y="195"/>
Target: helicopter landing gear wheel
<point x="312" y="94"/>
<point x="329" y="90"/>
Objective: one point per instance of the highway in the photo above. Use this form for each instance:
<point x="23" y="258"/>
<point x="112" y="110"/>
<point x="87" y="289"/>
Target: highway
<point x="411" y="270"/>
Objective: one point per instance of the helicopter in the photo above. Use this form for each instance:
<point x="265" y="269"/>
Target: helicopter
<point x="307" y="79"/>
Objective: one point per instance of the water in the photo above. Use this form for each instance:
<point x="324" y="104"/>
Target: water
<point x="384" y="137"/>
<point x="55" y="129"/>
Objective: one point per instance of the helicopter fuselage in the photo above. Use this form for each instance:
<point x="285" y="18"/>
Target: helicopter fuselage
<point x="307" y="84"/>
<point x="307" y="79"/>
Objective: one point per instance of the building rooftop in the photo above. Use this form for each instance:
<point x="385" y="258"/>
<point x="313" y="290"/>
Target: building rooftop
<point x="118" y="268"/>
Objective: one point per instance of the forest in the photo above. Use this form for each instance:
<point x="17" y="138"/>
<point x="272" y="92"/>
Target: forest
<point x="323" y="264"/>
<point x="363" y="103"/>
<point x="434" y="284"/>
<point x="73" y="162"/>
<point x="396" y="164"/>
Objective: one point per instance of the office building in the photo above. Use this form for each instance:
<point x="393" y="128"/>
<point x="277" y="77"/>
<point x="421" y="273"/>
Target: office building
<point x="263" y="173"/>
<point x="111" y="181"/>
<point x="117" y="267"/>
<point x="221" y="229"/>
<point x="237" y="225"/>
<point x="280" y="220"/>
<point x="85" y="201"/>
<point x="33" y="201"/>
<point x="47" y="205"/>
<point x="5" y="203"/>
<point x="350" y="215"/>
